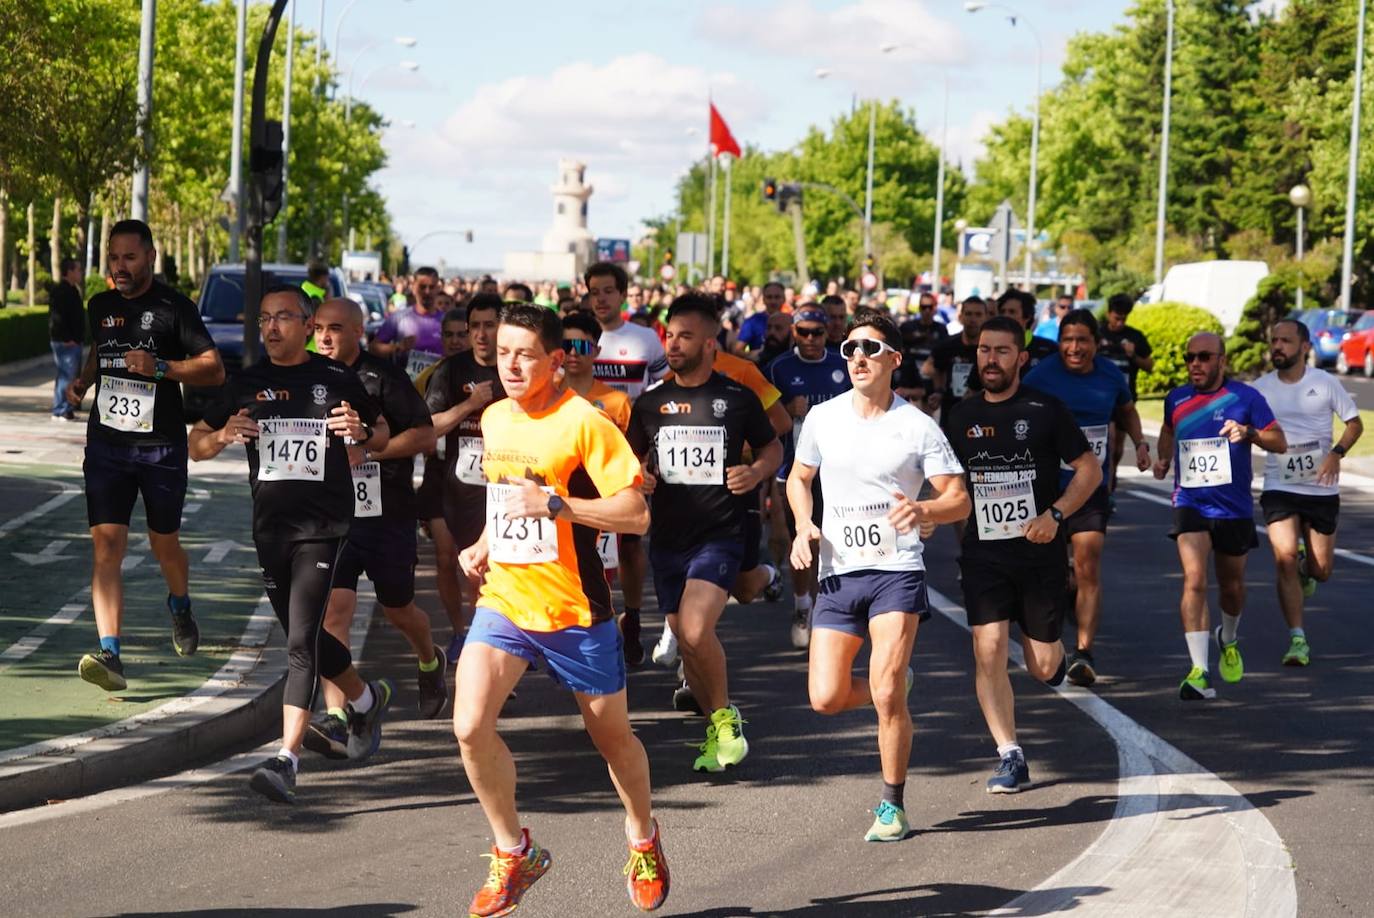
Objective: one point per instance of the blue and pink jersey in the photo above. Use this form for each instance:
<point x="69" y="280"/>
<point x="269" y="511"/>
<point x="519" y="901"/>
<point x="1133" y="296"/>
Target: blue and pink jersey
<point x="1198" y="416"/>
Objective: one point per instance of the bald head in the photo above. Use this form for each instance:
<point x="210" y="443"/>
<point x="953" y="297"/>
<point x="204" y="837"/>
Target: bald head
<point x="1207" y="341"/>
<point x="338" y="327"/>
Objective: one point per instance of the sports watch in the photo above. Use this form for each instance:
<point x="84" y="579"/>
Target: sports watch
<point x="160" y="369"/>
<point x="556" y="505"/>
<point x="1056" y="514"/>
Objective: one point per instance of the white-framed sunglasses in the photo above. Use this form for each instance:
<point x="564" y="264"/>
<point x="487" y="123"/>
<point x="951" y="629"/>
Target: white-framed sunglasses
<point x="869" y="347"/>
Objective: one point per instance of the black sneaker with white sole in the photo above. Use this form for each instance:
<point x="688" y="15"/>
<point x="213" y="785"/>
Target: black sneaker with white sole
<point x="1082" y="668"/>
<point x="365" y="730"/>
<point x="185" y="631"/>
<point x="327" y="735"/>
<point x="434" y="687"/>
<point x="275" y="779"/>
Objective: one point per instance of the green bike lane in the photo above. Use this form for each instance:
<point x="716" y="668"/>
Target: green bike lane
<point x="46" y="619"/>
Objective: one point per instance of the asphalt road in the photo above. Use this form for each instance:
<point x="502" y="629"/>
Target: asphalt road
<point x="1361" y="388"/>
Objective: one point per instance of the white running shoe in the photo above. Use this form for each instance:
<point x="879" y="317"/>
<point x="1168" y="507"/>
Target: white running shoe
<point x="665" y="651"/>
<point x="801" y="627"/>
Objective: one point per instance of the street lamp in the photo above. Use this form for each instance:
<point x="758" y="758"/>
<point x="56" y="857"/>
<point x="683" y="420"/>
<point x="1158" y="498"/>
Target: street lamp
<point x="973" y="6"/>
<point x="1164" y="145"/>
<point x="1301" y="197"/>
<point x="822" y="73"/>
<point x="1348" y="247"/>
<point x="939" y="179"/>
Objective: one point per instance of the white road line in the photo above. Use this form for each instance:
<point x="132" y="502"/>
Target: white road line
<point x="30" y="642"/>
<point x="67" y="493"/>
<point x="1179" y="835"/>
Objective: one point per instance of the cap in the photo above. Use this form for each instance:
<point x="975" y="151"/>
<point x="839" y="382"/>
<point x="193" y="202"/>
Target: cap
<point x="809" y="314"/>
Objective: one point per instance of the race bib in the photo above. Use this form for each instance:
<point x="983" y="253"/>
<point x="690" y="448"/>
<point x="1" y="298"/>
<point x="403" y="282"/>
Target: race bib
<point x="468" y="468"/>
<point x="419" y="361"/>
<point x="1204" y="463"/>
<point x="1097" y="442"/>
<point x="518" y="540"/>
<point x="692" y="455"/>
<point x="608" y="547"/>
<point x="367" y="489"/>
<point x="859" y="535"/>
<point x="1299" y="465"/>
<point x="958" y="378"/>
<point x="291" y="449"/>
<point x="1003" y="509"/>
<point x="127" y="404"/>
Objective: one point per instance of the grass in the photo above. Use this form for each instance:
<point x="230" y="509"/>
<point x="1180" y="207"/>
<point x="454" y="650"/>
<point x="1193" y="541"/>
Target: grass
<point x="1152" y="409"/>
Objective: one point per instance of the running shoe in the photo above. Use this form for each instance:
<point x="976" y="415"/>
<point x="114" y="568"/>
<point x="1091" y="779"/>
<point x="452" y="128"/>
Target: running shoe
<point x="275" y="779"/>
<point x="1308" y="582"/>
<point x="509" y="878"/>
<point x="1196" y="686"/>
<point x="889" y="825"/>
<point x="1299" y="654"/>
<point x="801" y="627"/>
<point x="327" y="734"/>
<point x="103" y="669"/>
<point x="646" y="873"/>
<point x="685" y="701"/>
<point x="365" y="730"/>
<point x="434" y="688"/>
<point x="708" y="760"/>
<point x="1082" y="670"/>
<point x="665" y="651"/>
<point x="629" y="632"/>
<point x="185" y="632"/>
<point x="454" y="649"/>
<point x="731" y="746"/>
<point x="1012" y="774"/>
<point x="1231" y="666"/>
<point x="773" y="592"/>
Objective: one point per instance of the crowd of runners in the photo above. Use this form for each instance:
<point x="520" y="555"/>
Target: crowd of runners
<point x="716" y="443"/>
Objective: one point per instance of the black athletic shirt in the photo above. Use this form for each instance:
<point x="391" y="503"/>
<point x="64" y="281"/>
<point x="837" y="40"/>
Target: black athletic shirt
<point x="165" y="324"/>
<point x="953" y="358"/>
<point x="1002" y="444"/>
<point x="1109" y="343"/>
<point x="451" y="383"/>
<point x="1037" y="349"/>
<point x="298" y="510"/>
<point x="404" y="410"/>
<point x="685" y="515"/>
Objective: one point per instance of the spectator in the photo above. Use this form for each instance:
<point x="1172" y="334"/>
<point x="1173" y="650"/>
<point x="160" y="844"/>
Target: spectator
<point x="66" y="330"/>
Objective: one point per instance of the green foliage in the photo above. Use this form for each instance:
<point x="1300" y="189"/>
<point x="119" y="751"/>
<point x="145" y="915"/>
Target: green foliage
<point x="23" y="332"/>
<point x="1168" y="326"/>
<point x="94" y="284"/>
<point x="1248" y="344"/>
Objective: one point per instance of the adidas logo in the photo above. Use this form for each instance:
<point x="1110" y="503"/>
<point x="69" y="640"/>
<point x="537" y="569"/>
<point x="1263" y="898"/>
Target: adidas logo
<point x="1311" y="391"/>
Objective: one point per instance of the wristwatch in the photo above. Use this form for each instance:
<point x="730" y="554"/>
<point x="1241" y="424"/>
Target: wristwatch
<point x="1056" y="514"/>
<point x="556" y="505"/>
<point x="367" y="430"/>
<point x="160" y="369"/>
<point x="1338" y="450"/>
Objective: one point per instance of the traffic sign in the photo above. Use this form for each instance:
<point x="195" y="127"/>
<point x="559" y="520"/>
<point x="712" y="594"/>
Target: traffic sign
<point x="667" y="272"/>
<point x="869" y="280"/>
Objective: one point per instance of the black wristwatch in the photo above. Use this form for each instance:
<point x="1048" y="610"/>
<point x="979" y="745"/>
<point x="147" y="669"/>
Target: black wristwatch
<point x="556" y="505"/>
<point x="1250" y="433"/>
<point x="1056" y="514"/>
<point x="160" y="369"/>
<point x="367" y="429"/>
<point x="1338" y="450"/>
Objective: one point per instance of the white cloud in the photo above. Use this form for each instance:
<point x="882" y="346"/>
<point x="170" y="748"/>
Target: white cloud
<point x="967" y="135"/>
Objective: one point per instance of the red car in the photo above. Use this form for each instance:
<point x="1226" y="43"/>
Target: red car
<point x="1357" y="350"/>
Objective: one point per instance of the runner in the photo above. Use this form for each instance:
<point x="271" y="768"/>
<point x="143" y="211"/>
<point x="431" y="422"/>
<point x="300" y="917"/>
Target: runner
<point x="837" y="312"/>
<point x="1301" y="497"/>
<point x="631" y="358"/>
<point x="1011" y="441"/>
<point x="919" y="337"/>
<point x="1130" y="350"/>
<point x="411" y="336"/>
<point x="1098" y="395"/>
<point x="147" y="340"/>
<point x="1020" y="305"/>
<point x="871" y="452"/>
<point x="545" y="602"/>
<point x="950" y="367"/>
<point x="806" y="376"/>
<point x="292" y="412"/>
<point x="460" y="389"/>
<point x="692" y="431"/>
<point x="753" y="330"/>
<point x="381" y="540"/>
<point x="1209" y="426"/>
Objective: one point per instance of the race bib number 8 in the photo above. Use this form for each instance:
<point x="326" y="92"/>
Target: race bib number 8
<point x="469" y="465"/>
<point x="291" y="449"/>
<point x="518" y="540"/>
<point x="692" y="455"/>
<point x="859" y="535"/>
<point x="367" y="489"/>
<point x="127" y="404"/>
<point x="1204" y="463"/>
<point x="1003" y="509"/>
<point x="1299" y="465"/>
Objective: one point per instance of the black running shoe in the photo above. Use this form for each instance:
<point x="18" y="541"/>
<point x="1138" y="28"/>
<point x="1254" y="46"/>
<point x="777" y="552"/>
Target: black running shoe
<point x="686" y="702"/>
<point x="434" y="687"/>
<point x="1082" y="670"/>
<point x="103" y="669"/>
<point x="275" y="779"/>
<point x="327" y="735"/>
<point x="629" y="631"/>
<point x="365" y="730"/>
<point x="185" y="632"/>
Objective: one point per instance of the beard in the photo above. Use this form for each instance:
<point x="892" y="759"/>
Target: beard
<point x="1282" y="362"/>
<point x="997" y="383"/>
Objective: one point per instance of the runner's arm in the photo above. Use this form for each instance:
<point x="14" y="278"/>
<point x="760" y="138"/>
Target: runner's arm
<point x="413" y="442"/>
<point x="1354" y="428"/>
<point x="1087" y="475"/>
<point x="799" y="482"/>
<point x="625" y="512"/>
<point x="76" y="389"/>
<point x="1271" y="439"/>
<point x="206" y="442"/>
<point x="951" y="503"/>
<point x="204" y="369"/>
<point x="780" y="419"/>
<point x="1164" y="450"/>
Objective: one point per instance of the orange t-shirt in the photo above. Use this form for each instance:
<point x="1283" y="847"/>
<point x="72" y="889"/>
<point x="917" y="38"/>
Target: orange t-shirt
<point x="574" y="449"/>
<point x="747" y="374"/>
<point x="613" y="402"/>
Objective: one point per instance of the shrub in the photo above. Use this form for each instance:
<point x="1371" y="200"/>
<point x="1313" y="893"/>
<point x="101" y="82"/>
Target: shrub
<point x="23" y="332"/>
<point x="95" y="283"/>
<point x="1168" y="326"/>
<point x="1274" y="298"/>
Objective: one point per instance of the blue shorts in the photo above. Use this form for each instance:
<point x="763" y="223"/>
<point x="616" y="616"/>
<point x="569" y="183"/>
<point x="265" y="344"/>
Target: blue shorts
<point x="586" y="660"/>
<point x="715" y="562"/>
<point x="848" y="602"/>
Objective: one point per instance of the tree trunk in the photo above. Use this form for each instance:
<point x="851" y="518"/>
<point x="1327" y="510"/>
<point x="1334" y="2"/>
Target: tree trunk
<point x="102" y="257"/>
<point x="4" y="243"/>
<point x="191" y="271"/>
<point x="177" y="237"/>
<point x="33" y="257"/>
<point x="55" y="240"/>
<point x="83" y="214"/>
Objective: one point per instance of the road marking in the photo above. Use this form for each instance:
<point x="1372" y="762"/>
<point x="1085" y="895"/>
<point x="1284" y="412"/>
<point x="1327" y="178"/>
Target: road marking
<point x="220" y="550"/>
<point x="68" y="492"/>
<point x="30" y="642"/>
<point x="1179" y="835"/>
<point x="50" y="553"/>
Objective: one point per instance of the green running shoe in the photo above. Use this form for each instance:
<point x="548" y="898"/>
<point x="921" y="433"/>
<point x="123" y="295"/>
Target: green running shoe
<point x="709" y="760"/>
<point x="1196" y="686"/>
<point x="890" y="824"/>
<point x="1231" y="666"/>
<point x="1306" y="580"/>
<point x="103" y="669"/>
<point x="731" y="746"/>
<point x="1299" y="654"/>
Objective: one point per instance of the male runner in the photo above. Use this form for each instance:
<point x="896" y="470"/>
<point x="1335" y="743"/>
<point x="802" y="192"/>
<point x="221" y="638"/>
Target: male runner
<point x="1209" y="426"/>
<point x="950" y="367"/>
<point x="1020" y="305"/>
<point x="381" y="541"/>
<point x="753" y="330"/>
<point x="581" y="337"/>
<point x="292" y="412"/>
<point x="1301" y="497"/>
<point x="837" y="310"/>
<point x="691" y="432"/>
<point x="558" y="472"/>
<point x="1098" y="395"/>
<point x="412" y="336"/>
<point x="920" y="334"/>
<point x="148" y="340"/>
<point x="631" y="358"/>
<point x="1130" y="350"/>
<point x="1011" y="441"/>
<point x="872" y="452"/>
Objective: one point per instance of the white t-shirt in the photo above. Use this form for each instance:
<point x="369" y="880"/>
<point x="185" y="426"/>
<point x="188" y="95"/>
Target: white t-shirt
<point x="862" y="461"/>
<point x="1304" y="411"/>
<point x="631" y="358"/>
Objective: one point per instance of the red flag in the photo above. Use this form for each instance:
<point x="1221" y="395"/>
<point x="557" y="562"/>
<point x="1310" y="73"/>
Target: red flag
<point x="722" y="141"/>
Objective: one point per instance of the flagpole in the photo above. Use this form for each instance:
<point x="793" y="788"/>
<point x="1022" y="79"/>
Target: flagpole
<point x="725" y="228"/>
<point x="711" y="223"/>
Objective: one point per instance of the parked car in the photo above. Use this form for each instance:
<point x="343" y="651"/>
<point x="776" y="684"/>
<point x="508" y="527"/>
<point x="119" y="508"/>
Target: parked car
<point x="1328" y="328"/>
<point x="375" y="299"/>
<point x="1357" y="348"/>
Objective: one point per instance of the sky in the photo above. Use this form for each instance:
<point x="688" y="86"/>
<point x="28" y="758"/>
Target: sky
<point x="504" y="90"/>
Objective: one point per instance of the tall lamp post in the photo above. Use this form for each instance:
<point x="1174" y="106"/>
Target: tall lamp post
<point x="821" y="74"/>
<point x="973" y="6"/>
<point x="1164" y="145"/>
<point x="1352" y="177"/>
<point x="1301" y="196"/>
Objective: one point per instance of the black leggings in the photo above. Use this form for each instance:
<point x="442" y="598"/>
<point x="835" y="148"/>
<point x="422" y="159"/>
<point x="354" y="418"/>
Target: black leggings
<point x="298" y="577"/>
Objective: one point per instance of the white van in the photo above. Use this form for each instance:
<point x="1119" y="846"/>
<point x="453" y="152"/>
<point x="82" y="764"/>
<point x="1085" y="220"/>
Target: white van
<point x="1220" y="287"/>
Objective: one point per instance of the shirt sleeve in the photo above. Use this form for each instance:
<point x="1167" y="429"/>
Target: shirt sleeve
<point x="351" y="390"/>
<point x="1341" y="402"/>
<point x="937" y="456"/>
<point x="808" y="450"/>
<point x="606" y="456"/>
<point x="217" y="413"/>
<point x="387" y="333"/>
<point x="402" y="405"/>
<point x="1142" y="345"/>
<point x="942" y="357"/>
<point x="637" y="432"/>
<point x="768" y="394"/>
<point x="658" y="361"/>
<point x="758" y="430"/>
<point x="1261" y="415"/>
<point x="1069" y="440"/>
<point x="195" y="339"/>
<point x="1170" y="401"/>
<point x="437" y="397"/>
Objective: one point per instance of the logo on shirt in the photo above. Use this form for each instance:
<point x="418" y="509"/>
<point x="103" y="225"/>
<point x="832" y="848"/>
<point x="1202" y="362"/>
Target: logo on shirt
<point x="624" y="351"/>
<point x="718" y="407"/>
<point x="837" y="376"/>
<point x="796" y="380"/>
<point x="273" y="395"/>
<point x="675" y="408"/>
<point x="1311" y="392"/>
<point x="145" y="321"/>
<point x="977" y="432"/>
<point x="112" y="322"/>
<point x="1021" y="428"/>
<point x="319" y="393"/>
<point x="1219" y="414"/>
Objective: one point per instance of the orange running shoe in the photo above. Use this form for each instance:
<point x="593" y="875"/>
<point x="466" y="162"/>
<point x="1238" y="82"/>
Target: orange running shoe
<point x="646" y="874"/>
<point x="508" y="879"/>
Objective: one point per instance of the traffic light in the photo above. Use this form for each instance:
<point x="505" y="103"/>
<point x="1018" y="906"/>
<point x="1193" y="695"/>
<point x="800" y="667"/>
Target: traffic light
<point x="870" y="263"/>
<point x="265" y="160"/>
<point x="668" y="257"/>
<point x="770" y="189"/>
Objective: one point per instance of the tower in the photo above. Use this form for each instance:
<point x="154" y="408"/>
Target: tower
<point x="569" y="232"/>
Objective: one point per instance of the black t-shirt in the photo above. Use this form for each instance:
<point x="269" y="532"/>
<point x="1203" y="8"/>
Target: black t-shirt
<point x="308" y="495"/>
<point x="694" y="434"/>
<point x="404" y="410"/>
<point x="1038" y="349"/>
<point x="959" y="362"/>
<point x="919" y="339"/>
<point x="1109" y="343"/>
<point x="1005" y="446"/>
<point x="451" y="383"/>
<point x="165" y="324"/>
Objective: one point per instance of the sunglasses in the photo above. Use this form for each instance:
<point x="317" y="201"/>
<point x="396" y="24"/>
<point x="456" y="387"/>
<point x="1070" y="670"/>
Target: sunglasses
<point x="869" y="347"/>
<point x="1199" y="357"/>
<point x="579" y="346"/>
<point x="808" y="332"/>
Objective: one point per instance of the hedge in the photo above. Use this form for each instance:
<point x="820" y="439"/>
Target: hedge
<point x="1168" y="326"/>
<point x="23" y="332"/>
